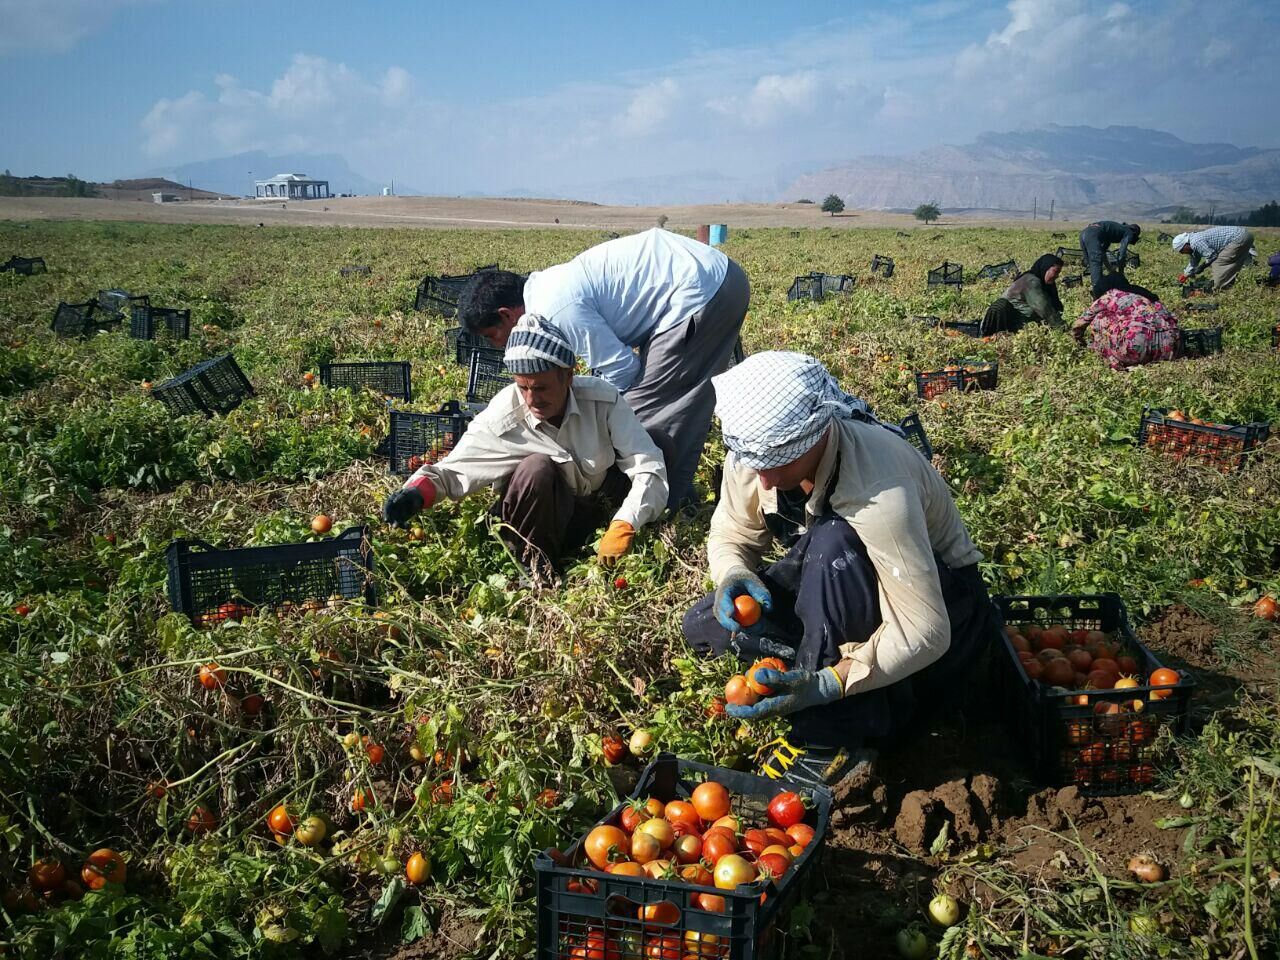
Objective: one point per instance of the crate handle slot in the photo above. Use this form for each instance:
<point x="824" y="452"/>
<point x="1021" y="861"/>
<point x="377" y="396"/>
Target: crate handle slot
<point x="202" y="544"/>
<point x="351" y="533"/>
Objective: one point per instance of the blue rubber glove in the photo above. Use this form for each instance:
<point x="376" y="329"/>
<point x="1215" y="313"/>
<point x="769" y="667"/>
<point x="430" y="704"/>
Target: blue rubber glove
<point x="737" y="581"/>
<point x="793" y="690"/>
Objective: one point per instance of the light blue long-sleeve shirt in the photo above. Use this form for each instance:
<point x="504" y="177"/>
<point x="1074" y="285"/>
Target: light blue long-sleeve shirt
<point x="620" y="293"/>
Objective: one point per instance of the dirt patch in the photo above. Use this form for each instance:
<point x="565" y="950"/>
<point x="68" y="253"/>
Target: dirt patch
<point x="1186" y="635"/>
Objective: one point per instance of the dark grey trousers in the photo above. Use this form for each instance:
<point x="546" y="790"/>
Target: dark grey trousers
<point x="673" y="394"/>
<point x="1095" y="257"/>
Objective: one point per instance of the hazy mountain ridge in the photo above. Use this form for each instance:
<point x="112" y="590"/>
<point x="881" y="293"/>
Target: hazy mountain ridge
<point x="1079" y="169"/>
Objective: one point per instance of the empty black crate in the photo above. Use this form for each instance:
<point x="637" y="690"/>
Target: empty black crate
<point x="119" y="302"/>
<point x="440" y="294"/>
<point x="914" y="430"/>
<point x="578" y="902"/>
<point x="1131" y="259"/>
<point x="390" y="378"/>
<point x="885" y="264"/>
<point x="994" y="271"/>
<point x="1093" y="739"/>
<point x="145" y="321"/>
<point x="463" y="344"/>
<point x="355" y="269"/>
<point x="487" y="376"/>
<point x="1070" y="282"/>
<point x="212" y="586"/>
<point x="1222" y="445"/>
<point x="948" y="275"/>
<point x="1197" y="343"/>
<point x="26" y="266"/>
<point x="1072" y="256"/>
<point x="968" y="376"/>
<point x="815" y="286"/>
<point x="78" y="319"/>
<point x="423" y="438"/>
<point x="211" y="386"/>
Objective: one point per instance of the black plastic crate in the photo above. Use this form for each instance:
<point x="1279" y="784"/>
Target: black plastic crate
<point x="914" y="430"/>
<point x="972" y="375"/>
<point x="212" y="586"/>
<point x="1131" y="259"/>
<point x="1164" y="237"/>
<point x="117" y="303"/>
<point x="417" y="439"/>
<point x="354" y="269"/>
<point x="391" y="378"/>
<point x="1070" y="256"/>
<point x="994" y="271"/>
<point x="882" y="265"/>
<point x="1199" y="342"/>
<point x="1197" y="307"/>
<point x="24" y="266"/>
<point x="487" y="376"/>
<point x="440" y="294"/>
<point x="463" y="344"/>
<point x="145" y="321"/>
<point x="576" y="900"/>
<point x="1066" y="735"/>
<point x="80" y="319"/>
<point x="816" y="286"/>
<point x="1223" y="445"/>
<point x="211" y="386"/>
<point x="955" y="328"/>
<point x="1069" y="283"/>
<point x="1196" y="287"/>
<point x="948" y="275"/>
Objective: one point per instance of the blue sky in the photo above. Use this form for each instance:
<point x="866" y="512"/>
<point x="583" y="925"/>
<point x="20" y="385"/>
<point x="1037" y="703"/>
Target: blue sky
<point x="457" y="97"/>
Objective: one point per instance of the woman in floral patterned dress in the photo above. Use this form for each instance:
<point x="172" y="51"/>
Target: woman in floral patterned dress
<point x="1128" y="326"/>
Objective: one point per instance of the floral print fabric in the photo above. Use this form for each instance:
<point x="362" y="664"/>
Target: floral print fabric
<point x="1127" y="329"/>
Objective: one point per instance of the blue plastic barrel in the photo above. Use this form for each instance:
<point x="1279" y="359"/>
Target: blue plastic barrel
<point x="719" y="232"/>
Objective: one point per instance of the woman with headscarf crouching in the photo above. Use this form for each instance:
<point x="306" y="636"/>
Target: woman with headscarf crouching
<point x="1127" y="326"/>
<point x="877" y="606"/>
<point x="1033" y="295"/>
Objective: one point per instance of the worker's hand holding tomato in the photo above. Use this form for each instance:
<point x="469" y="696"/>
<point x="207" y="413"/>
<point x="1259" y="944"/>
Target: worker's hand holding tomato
<point x="792" y="691"/>
<point x="740" y="598"/>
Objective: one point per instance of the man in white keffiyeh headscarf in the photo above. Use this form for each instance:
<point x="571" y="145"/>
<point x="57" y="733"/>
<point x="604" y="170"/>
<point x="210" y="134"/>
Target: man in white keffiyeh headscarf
<point x="877" y="604"/>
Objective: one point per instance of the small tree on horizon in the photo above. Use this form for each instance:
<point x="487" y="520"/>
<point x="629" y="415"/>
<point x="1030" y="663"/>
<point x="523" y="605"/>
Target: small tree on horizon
<point x="928" y="212"/>
<point x="832" y="205"/>
<point x="662" y="221"/>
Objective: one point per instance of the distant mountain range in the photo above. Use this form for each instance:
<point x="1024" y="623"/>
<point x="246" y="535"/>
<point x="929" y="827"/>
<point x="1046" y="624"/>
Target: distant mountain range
<point x="235" y="175"/>
<point x="1082" y="170"/>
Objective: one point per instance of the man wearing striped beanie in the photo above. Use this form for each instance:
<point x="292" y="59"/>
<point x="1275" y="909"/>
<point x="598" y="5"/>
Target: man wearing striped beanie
<point x="565" y="453"/>
<point x="877" y="608"/>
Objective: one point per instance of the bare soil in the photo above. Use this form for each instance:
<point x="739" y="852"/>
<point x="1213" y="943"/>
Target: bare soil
<point x="481" y="213"/>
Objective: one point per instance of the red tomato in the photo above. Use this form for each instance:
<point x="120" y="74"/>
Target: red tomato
<point x="1081" y="660"/>
<point x="785" y="809"/>
<point x="682" y="810"/>
<point x="775" y="863"/>
<point x="1033" y="669"/>
<point x="1101" y="679"/>
<point x="801" y="833"/>
<point x="1107" y="664"/>
<point x="716" y="845"/>
<point x="1051" y="640"/>
<point x="755" y="841"/>
<point x="711" y="799"/>
<point x="1128" y="666"/>
<point x="1058" y="673"/>
<point x="756" y="686"/>
<point x="1020" y="643"/>
<point x="1164" y="678"/>
<point x="632" y="816"/>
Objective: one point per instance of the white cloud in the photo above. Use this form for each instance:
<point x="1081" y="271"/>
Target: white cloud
<point x="53" y="26"/>
<point x="887" y="83"/>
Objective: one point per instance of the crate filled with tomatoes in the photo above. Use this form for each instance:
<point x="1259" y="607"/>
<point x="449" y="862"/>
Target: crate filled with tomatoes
<point x="1082" y="695"/>
<point x="1179" y="436"/>
<point x="957" y="375"/>
<point x="700" y="862"/>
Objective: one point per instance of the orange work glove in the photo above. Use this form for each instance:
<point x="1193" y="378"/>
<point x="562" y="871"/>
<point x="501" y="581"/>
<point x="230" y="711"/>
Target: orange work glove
<point x="615" y="542"/>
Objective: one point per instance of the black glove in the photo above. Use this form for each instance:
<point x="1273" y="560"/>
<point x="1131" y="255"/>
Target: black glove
<point x="400" y="507"/>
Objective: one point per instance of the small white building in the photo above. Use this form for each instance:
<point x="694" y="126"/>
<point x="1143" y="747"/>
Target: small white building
<point x="292" y="186"/>
<point x="164" y="198"/>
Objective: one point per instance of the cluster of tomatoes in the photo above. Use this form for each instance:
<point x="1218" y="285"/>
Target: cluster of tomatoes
<point x="1107" y="747"/>
<point x="699" y="842"/>
<point x="49" y="883"/>
<point x="1173" y="433"/>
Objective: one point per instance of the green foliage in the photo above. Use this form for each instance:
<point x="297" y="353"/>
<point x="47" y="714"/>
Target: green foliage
<point x="928" y="212"/>
<point x="832" y="205"/>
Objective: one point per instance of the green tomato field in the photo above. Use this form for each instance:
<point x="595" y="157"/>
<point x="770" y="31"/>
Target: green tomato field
<point x="467" y="720"/>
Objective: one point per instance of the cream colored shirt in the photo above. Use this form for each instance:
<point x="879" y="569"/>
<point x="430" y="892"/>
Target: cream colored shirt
<point x="901" y="509"/>
<point x="598" y="430"/>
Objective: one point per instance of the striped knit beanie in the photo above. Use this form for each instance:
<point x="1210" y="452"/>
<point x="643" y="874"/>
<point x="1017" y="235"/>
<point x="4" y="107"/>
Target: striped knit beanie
<point x="536" y="345"/>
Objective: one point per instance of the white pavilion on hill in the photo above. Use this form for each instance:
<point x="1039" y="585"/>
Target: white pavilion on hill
<point x="292" y="186"/>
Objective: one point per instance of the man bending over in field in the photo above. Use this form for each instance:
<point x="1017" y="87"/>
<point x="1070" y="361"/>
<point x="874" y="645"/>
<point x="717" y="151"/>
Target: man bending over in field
<point x="1225" y="249"/>
<point x="565" y="452"/>
<point x="878" y="598"/>
<point x="681" y="303"/>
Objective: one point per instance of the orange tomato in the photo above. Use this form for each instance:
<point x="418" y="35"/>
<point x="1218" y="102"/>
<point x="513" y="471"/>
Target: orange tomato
<point x="212" y="677"/>
<point x="746" y="610"/>
<point x="417" y="869"/>
<point x="101" y="867"/>
<point x="605" y="844"/>
<point x="678" y="810"/>
<point x="739" y="693"/>
<point x="771" y="663"/>
<point x="280" y="821"/>
<point x="711" y="799"/>
<point x="628" y="868"/>
<point x="47" y="875"/>
<point x="1164" y="677"/>
<point x="664" y="911"/>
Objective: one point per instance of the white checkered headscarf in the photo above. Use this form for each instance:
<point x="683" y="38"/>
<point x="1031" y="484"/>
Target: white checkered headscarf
<point x="536" y="345"/>
<point x="1180" y="241"/>
<point x="775" y="406"/>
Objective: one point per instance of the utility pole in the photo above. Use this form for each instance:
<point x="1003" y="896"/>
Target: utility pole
<point x="1051" y="203"/>
<point x="1035" y="203"/>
